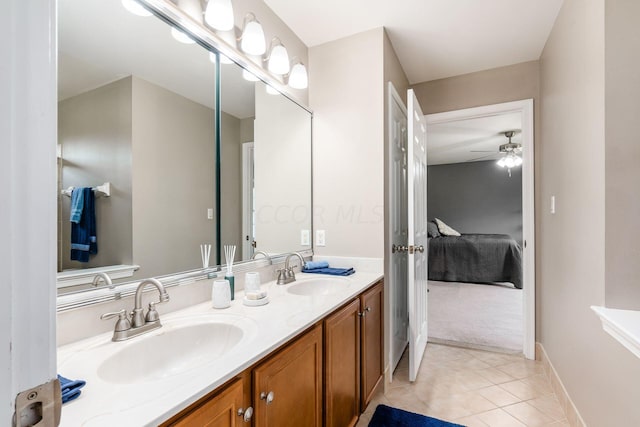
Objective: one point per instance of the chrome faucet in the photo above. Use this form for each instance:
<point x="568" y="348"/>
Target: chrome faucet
<point x="287" y="275"/>
<point x="129" y="327"/>
<point x="264" y="254"/>
<point x="105" y="278"/>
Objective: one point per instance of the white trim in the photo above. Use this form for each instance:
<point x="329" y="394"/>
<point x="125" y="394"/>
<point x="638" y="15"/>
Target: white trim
<point x="525" y="108"/>
<point x="623" y="325"/>
<point x="247" y="199"/>
<point x="85" y="276"/>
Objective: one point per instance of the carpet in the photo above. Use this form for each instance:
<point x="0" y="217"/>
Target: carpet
<point x="386" y="416"/>
<point x="487" y="316"/>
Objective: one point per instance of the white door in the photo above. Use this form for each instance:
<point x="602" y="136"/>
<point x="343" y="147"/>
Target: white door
<point x="417" y="233"/>
<point x="248" y="210"/>
<point x="399" y="313"/>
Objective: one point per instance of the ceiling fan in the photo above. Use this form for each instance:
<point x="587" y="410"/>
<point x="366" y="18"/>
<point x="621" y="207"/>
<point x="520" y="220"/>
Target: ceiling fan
<point x="510" y="153"/>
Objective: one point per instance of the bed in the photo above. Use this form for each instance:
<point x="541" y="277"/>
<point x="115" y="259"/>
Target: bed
<point x="475" y="258"/>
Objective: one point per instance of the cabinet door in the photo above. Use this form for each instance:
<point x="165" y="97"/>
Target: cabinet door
<point x="342" y="366"/>
<point x="220" y="411"/>
<point x="288" y="386"/>
<point x="372" y="306"/>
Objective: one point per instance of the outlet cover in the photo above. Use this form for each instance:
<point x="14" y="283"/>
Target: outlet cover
<point x="320" y="238"/>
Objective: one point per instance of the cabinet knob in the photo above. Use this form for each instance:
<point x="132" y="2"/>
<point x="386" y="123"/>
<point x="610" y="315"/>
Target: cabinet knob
<point x="246" y="414"/>
<point x="368" y="309"/>
<point x="267" y="396"/>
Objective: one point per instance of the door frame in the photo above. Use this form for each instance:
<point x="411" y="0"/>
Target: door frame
<point x="247" y="199"/>
<point x="525" y="108"/>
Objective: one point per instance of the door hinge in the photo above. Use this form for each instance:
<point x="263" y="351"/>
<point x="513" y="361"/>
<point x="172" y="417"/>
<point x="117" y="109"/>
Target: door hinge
<point x="40" y="406"/>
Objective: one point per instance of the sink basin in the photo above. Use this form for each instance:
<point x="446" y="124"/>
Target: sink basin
<point x="174" y="349"/>
<point x="318" y="287"/>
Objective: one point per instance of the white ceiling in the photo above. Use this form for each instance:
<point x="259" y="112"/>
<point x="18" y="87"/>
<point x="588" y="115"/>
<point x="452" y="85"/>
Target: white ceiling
<point x="432" y="38"/>
<point x="472" y="139"/>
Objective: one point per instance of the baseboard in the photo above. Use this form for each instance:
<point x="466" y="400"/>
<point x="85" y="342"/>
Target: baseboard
<point x="472" y="346"/>
<point x="573" y="416"/>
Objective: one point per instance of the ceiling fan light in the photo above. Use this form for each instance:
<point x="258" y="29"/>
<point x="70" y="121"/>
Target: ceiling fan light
<point x="219" y="14"/>
<point x="252" y="42"/>
<point x="501" y="162"/>
<point x="298" y="78"/>
<point x="135" y="8"/>
<point x="518" y="160"/>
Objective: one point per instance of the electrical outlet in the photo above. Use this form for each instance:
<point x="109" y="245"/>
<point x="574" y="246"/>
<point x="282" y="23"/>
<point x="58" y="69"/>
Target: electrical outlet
<point x="304" y="237"/>
<point x="210" y="213"/>
<point x="320" y="238"/>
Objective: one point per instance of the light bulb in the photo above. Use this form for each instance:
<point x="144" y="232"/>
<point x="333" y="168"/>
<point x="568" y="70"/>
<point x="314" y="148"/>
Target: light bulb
<point x="518" y="160"/>
<point x="247" y="75"/>
<point x="253" y="41"/>
<point x="278" y="59"/>
<point x="509" y="162"/>
<point x="271" y="90"/>
<point x="298" y="78"/>
<point x="219" y="14"/>
<point x="135" y="8"/>
<point x="181" y="36"/>
<point x="501" y="162"/>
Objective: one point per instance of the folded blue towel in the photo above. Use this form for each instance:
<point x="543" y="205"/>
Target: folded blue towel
<point x="313" y="265"/>
<point x="83" y="234"/>
<point x="70" y="389"/>
<point x="332" y="271"/>
<point x="77" y="204"/>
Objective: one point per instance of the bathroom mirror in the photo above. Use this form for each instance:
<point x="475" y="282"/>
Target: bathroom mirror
<point x="136" y="110"/>
<point x="265" y="168"/>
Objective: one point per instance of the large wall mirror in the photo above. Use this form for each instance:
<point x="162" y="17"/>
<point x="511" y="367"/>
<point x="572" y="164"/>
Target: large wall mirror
<point x="137" y="111"/>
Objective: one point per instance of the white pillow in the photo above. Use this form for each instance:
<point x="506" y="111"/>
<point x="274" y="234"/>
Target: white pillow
<point x="444" y="229"/>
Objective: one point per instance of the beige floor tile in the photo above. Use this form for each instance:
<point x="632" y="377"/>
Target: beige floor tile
<point x="471" y="421"/>
<point x="528" y="414"/>
<point x="471" y="380"/>
<point x="522" y="369"/>
<point x="499" y="418"/>
<point x="494" y="375"/>
<point x="498" y="359"/>
<point x="524" y="391"/>
<point x="550" y="406"/>
<point x="498" y="396"/>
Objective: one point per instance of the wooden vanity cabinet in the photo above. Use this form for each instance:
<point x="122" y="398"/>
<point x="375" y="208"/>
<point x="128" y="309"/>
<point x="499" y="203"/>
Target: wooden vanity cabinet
<point x="372" y="342"/>
<point x="342" y="366"/>
<point x="224" y="409"/>
<point x="287" y="387"/>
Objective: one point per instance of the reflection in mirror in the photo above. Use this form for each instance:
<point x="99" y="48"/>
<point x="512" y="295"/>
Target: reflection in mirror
<point x="265" y="167"/>
<point x="136" y="110"/>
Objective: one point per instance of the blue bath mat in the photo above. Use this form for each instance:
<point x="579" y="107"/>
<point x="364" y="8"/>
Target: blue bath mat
<point x="386" y="416"/>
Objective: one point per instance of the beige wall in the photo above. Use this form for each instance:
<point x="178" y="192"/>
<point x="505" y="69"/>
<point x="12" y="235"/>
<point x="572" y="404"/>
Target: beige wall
<point x="347" y="98"/>
<point x="599" y="374"/>
<point x="173" y="180"/>
<point x="231" y="183"/>
<point x="622" y="152"/>
<point x="94" y="130"/>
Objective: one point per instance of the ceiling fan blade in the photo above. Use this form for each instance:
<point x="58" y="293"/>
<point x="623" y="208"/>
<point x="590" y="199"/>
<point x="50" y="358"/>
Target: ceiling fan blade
<point x="482" y="157"/>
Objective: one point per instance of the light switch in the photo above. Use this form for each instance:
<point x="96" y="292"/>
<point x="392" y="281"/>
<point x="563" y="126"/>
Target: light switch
<point x="553" y="205"/>
<point x="304" y="237"/>
<point x="320" y="238"/>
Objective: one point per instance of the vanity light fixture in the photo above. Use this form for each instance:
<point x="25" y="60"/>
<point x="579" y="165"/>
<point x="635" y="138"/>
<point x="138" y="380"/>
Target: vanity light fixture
<point x="219" y="14"/>
<point x="278" y="58"/>
<point x="252" y="39"/>
<point x="224" y="59"/>
<point x="298" y="78"/>
<point x="271" y="91"/>
<point x="136" y="8"/>
<point x="181" y="36"/>
<point x="249" y="76"/>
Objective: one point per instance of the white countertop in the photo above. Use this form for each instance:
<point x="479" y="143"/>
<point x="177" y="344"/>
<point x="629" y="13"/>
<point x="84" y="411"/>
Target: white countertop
<point x="151" y="402"/>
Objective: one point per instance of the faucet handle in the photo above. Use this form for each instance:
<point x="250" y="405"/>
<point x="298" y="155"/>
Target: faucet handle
<point x="123" y="322"/>
<point x="152" y="314"/>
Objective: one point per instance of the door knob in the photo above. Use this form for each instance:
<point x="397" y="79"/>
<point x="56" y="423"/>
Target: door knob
<point x="398" y="248"/>
<point x="413" y="249"/>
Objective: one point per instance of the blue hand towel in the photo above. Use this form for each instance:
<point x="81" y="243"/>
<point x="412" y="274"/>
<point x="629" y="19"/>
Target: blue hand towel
<point x="77" y="204"/>
<point x="332" y="271"/>
<point x="83" y="234"/>
<point x="70" y="389"/>
<point x="312" y="265"/>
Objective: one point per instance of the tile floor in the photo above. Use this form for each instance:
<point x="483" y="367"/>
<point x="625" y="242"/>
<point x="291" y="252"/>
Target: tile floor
<point x="474" y="388"/>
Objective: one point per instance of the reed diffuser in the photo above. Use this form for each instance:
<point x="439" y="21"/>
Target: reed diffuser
<point x="229" y="255"/>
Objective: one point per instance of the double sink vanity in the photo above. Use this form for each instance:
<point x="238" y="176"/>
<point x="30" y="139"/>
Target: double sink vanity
<point x="272" y="365"/>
